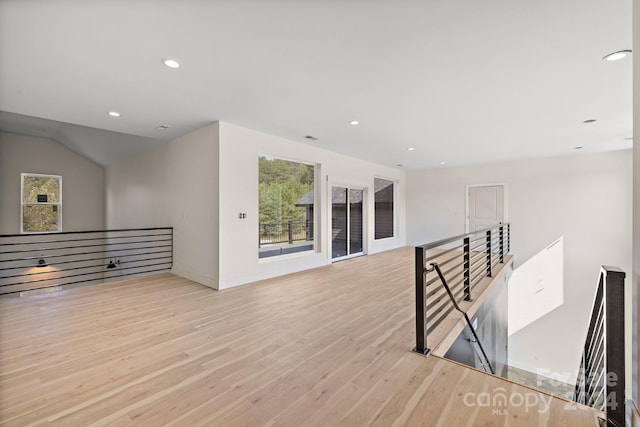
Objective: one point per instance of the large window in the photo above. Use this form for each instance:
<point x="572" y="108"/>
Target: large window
<point x="286" y="215"/>
<point x="41" y="203"/>
<point x="383" y="208"/>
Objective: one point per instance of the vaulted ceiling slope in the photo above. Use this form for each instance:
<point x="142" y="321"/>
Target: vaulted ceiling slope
<point x="101" y="146"/>
<point x="459" y="81"/>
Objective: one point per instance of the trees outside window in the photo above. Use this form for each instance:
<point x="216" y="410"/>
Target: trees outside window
<point x="286" y="206"/>
<point x="41" y="203"/>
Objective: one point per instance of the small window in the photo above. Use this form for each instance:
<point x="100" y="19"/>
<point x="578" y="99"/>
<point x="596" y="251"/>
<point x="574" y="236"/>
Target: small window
<point x="286" y="212"/>
<point x="41" y="203"/>
<point x="383" y="208"/>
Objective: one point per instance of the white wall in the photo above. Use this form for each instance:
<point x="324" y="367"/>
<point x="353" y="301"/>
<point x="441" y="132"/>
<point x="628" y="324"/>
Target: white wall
<point x="199" y="183"/>
<point x="82" y="181"/>
<point x="584" y="198"/>
<point x="536" y="287"/>
<point x="175" y="185"/>
<point x="239" y="151"/>
<point x="635" y="274"/>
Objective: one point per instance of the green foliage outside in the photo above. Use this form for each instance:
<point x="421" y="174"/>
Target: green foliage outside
<point x="281" y="184"/>
<point x="40" y="216"/>
<point x="34" y="185"/>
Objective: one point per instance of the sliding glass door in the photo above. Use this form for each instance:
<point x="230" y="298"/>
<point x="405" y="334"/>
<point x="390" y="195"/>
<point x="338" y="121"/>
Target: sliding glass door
<point x="346" y="222"/>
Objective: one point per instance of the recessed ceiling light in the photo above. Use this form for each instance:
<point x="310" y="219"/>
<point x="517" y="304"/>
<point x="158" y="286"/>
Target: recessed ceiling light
<point x="589" y="121"/>
<point x="312" y="138"/>
<point x="114" y="114"/>
<point x="400" y="165"/>
<point x="578" y="147"/>
<point x="354" y="122"/>
<point x="616" y="56"/>
<point x="443" y="163"/>
<point x="171" y="63"/>
<point x="410" y="149"/>
<point x="163" y="127"/>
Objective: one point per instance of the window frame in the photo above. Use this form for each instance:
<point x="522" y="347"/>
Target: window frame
<point x="366" y="215"/>
<point x="316" y="203"/>
<point x="394" y="226"/>
<point x="23" y="203"/>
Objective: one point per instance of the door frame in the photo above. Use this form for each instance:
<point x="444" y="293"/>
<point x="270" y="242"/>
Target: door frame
<point x="365" y="216"/>
<point x="466" y="202"/>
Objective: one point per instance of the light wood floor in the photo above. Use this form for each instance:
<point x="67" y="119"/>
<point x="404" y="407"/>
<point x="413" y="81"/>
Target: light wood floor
<point x="325" y="347"/>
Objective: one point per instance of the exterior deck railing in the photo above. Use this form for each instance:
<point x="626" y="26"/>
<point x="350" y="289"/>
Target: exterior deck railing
<point x="285" y="232"/>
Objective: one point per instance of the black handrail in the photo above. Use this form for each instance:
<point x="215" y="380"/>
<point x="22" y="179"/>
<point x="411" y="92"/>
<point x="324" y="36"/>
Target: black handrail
<point x="477" y="254"/>
<point x="435" y="267"/>
<point x="458" y="237"/>
<point x="601" y="378"/>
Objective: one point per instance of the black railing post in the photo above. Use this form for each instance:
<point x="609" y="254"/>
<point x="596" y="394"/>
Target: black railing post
<point x="508" y="238"/>
<point x="488" y="253"/>
<point x="467" y="273"/>
<point x="290" y="232"/>
<point x="614" y="346"/>
<point x="501" y="244"/>
<point x="421" y="304"/>
<point x="601" y="379"/>
<point x="475" y="266"/>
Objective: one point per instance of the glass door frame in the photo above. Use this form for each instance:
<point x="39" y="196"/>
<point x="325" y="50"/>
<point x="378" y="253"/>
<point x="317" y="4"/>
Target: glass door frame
<point x="365" y="222"/>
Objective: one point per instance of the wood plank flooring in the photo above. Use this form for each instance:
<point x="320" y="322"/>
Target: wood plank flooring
<point x="325" y="347"/>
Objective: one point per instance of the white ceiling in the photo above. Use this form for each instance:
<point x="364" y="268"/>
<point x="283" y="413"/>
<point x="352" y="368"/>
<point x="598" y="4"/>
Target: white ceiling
<point x="461" y="81"/>
<point x="104" y="147"/>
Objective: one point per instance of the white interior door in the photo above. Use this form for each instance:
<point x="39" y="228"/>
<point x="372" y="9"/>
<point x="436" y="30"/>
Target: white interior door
<point x="486" y="206"/>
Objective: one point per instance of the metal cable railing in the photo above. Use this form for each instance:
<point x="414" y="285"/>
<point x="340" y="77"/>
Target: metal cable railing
<point x="468" y="258"/>
<point x="601" y="378"/>
<point x="46" y="260"/>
